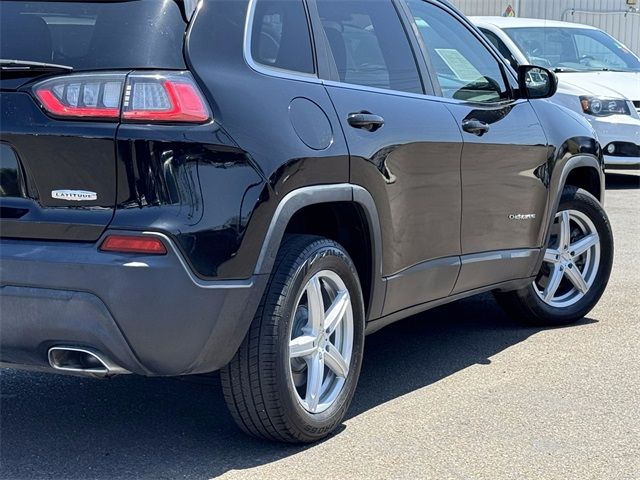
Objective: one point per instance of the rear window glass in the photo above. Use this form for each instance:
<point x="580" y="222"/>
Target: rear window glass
<point x="94" y="35"/>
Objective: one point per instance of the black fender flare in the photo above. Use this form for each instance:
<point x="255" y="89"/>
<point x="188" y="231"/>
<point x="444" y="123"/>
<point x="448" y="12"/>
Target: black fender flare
<point x="318" y="194"/>
<point x="556" y="188"/>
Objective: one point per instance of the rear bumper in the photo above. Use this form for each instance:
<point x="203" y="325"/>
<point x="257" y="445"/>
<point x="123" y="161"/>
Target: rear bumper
<point x="148" y="314"/>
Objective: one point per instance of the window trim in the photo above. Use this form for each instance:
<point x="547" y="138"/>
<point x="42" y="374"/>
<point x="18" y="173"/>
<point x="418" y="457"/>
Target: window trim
<point x="275" y="71"/>
<point x="428" y="87"/>
<point x="430" y="84"/>
<point x="507" y="74"/>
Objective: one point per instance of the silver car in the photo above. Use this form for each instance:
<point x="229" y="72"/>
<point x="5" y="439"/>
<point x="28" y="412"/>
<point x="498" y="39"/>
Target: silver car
<point x="599" y="77"/>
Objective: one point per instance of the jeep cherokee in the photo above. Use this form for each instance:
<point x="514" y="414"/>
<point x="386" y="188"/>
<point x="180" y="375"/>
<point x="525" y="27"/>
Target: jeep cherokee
<point x="251" y="186"/>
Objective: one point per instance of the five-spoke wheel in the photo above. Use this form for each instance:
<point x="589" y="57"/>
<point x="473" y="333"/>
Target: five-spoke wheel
<point x="321" y="341"/>
<point x="575" y="269"/>
<point x="295" y="374"/>
<point x="571" y="262"/>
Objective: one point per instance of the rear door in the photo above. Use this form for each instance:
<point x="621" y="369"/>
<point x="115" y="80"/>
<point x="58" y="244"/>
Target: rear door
<point x="58" y="178"/>
<point x="504" y="156"/>
<point x="405" y="147"/>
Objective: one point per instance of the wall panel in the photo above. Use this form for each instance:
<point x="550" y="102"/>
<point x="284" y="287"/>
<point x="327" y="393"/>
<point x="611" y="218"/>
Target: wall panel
<point x="612" y="16"/>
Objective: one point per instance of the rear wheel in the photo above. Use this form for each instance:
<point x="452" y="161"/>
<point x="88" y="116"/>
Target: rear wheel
<point x="295" y="374"/>
<point x="576" y="267"/>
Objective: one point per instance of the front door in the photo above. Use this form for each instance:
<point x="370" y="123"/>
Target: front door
<point x="504" y="153"/>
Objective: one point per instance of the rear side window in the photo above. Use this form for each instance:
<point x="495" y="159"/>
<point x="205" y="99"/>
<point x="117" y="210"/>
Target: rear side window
<point x="94" y="35"/>
<point x="280" y="36"/>
<point x="369" y="44"/>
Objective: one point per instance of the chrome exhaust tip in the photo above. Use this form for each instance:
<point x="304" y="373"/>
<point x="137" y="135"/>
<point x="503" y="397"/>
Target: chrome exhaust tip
<point x="82" y="360"/>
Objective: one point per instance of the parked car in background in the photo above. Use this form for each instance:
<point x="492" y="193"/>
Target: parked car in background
<point x="599" y="77"/>
<point x="253" y="186"/>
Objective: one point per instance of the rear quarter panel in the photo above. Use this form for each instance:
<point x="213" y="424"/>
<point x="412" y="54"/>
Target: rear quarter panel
<point x="255" y="109"/>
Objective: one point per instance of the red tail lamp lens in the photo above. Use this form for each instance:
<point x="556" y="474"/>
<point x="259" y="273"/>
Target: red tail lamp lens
<point x="133" y="244"/>
<point x="56" y="107"/>
<point x="164" y="98"/>
<point x="82" y="96"/>
<point x="153" y="97"/>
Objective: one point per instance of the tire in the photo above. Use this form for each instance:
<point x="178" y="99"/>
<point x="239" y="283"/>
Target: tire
<point x="269" y="394"/>
<point x="536" y="304"/>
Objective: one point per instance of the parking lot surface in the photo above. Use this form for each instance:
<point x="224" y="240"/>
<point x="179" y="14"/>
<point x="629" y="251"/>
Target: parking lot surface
<point x="459" y="392"/>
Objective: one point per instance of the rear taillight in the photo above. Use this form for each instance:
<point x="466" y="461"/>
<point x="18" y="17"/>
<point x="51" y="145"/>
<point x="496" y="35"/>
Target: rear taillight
<point x="163" y="98"/>
<point x="82" y="96"/>
<point x="133" y="244"/>
<point x="138" y="97"/>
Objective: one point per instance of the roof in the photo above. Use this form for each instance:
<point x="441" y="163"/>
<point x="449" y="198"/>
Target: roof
<point x="517" y="22"/>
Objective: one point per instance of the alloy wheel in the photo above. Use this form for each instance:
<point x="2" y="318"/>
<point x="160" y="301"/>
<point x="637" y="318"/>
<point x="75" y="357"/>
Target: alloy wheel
<point x="321" y="341"/>
<point x="570" y="262"/>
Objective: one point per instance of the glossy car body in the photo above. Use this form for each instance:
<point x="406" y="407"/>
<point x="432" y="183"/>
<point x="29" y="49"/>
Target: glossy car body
<point x="428" y="211"/>
<point x="620" y="131"/>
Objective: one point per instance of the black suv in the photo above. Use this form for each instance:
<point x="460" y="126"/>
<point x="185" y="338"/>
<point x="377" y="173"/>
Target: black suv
<point x="251" y="186"/>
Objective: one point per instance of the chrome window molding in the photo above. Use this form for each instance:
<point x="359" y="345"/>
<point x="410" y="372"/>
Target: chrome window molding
<point x="386" y="91"/>
<point x="420" y="96"/>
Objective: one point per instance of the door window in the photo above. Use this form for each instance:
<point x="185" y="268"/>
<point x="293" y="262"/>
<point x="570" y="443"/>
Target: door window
<point x="280" y="36"/>
<point x="466" y="70"/>
<point x="369" y="44"/>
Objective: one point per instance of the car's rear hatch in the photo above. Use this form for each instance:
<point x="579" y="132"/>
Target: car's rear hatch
<point x="58" y="174"/>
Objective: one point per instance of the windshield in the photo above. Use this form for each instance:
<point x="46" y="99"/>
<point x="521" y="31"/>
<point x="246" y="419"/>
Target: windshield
<point x="94" y="35"/>
<point x="573" y="49"/>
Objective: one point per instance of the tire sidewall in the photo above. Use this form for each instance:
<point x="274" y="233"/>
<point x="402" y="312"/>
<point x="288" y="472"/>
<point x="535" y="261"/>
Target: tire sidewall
<point x="326" y="255"/>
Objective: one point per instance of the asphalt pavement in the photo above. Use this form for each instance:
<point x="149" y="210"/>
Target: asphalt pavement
<point x="459" y="392"/>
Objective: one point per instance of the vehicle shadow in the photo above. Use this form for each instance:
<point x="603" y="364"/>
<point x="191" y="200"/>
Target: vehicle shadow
<point x="132" y="427"/>
<point x="623" y="181"/>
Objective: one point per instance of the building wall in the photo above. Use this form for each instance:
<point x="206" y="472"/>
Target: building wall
<point x="612" y="16"/>
<point x="482" y="7"/>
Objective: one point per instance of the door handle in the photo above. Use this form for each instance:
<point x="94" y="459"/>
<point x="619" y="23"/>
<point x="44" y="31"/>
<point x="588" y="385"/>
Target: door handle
<point x="475" y="127"/>
<point x="366" y="121"/>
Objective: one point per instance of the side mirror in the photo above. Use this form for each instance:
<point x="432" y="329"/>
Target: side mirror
<point x="536" y="82"/>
